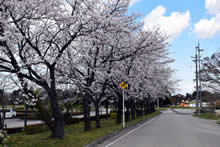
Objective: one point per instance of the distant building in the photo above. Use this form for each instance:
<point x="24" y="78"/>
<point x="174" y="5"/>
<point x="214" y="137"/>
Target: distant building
<point x="217" y="104"/>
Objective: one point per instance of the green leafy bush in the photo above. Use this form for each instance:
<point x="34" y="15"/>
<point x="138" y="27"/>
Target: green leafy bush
<point x="14" y="130"/>
<point x="113" y="115"/>
<point x="3" y="138"/>
<point x="69" y="120"/>
<point x="33" y="129"/>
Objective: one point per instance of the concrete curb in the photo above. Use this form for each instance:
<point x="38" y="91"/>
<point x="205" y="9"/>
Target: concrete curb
<point x="107" y="137"/>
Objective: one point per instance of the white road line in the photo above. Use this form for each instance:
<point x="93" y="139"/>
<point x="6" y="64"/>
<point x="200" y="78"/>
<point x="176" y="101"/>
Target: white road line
<point x="131" y="132"/>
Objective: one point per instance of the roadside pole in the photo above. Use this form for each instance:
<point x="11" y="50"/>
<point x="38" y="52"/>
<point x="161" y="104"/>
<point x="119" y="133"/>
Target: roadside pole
<point x="199" y="74"/>
<point x="123" y="86"/>
<point x="123" y="108"/>
<point x="197" y="88"/>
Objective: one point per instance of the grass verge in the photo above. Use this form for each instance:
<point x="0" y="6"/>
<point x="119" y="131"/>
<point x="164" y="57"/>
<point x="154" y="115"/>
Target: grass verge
<point x="163" y="108"/>
<point x="179" y="107"/>
<point x="74" y="134"/>
<point x="212" y="116"/>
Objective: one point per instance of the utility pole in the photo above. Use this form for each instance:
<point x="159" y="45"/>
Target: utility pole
<point x="197" y="89"/>
<point x="199" y="75"/>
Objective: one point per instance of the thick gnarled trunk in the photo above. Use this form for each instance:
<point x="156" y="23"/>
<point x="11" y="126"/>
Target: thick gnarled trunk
<point x="97" y="116"/>
<point x="86" y="112"/>
<point x="57" y="114"/>
<point x="119" y="111"/>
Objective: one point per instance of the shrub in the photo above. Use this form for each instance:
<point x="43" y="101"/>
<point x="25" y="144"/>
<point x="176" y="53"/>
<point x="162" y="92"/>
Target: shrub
<point x="69" y="120"/>
<point x="33" y="129"/>
<point x="30" y="116"/>
<point x="100" y="116"/>
<point x="37" y="115"/>
<point x="77" y="113"/>
<point x="14" y="130"/>
<point x="75" y="120"/>
<point x="113" y="115"/>
<point x="19" y="109"/>
<point x="3" y="138"/>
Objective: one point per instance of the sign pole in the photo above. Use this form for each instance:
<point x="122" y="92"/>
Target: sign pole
<point x="123" y="85"/>
<point x="123" y="108"/>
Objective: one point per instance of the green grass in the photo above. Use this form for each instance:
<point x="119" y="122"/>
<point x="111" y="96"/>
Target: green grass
<point x="208" y="116"/>
<point x="162" y="108"/>
<point x="179" y="107"/>
<point x="218" y="122"/>
<point x="74" y="135"/>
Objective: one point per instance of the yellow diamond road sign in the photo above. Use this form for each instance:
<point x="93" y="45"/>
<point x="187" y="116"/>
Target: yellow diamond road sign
<point x="123" y="85"/>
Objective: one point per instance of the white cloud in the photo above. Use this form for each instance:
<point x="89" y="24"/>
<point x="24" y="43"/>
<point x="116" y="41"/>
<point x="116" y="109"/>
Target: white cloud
<point x="185" y="88"/>
<point x="173" y="25"/>
<point x="132" y="2"/>
<point x="208" y="28"/>
<point x="213" y="6"/>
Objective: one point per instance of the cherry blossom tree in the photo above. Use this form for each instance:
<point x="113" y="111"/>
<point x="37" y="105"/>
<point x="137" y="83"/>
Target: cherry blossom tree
<point x="87" y="67"/>
<point x="92" y="45"/>
<point x="35" y="35"/>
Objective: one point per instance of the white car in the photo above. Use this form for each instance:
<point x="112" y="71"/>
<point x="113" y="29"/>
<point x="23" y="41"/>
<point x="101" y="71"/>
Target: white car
<point x="9" y="113"/>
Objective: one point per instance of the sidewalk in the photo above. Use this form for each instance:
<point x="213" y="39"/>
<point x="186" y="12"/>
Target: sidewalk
<point x="19" y="123"/>
<point x="102" y="111"/>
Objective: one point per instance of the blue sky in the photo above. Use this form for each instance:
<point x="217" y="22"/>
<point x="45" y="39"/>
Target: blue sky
<point x="186" y="22"/>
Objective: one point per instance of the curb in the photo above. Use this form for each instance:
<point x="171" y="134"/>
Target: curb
<point x="107" y="137"/>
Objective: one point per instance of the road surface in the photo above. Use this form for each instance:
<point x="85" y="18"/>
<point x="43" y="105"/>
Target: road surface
<point x="171" y="129"/>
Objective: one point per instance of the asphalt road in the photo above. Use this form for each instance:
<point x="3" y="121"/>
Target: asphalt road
<point x="171" y="129"/>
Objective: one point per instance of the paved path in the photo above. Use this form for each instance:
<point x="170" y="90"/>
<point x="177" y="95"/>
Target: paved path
<point x="16" y="122"/>
<point x="171" y="129"/>
<point x="101" y="111"/>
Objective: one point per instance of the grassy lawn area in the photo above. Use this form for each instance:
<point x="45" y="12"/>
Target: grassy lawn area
<point x="208" y="116"/>
<point x="162" y="108"/>
<point x="74" y="135"/>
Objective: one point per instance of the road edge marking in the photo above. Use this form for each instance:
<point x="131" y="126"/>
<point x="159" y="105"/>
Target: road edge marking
<point x="108" y="145"/>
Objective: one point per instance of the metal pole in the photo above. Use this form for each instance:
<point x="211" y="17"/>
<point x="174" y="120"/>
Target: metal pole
<point x="123" y="108"/>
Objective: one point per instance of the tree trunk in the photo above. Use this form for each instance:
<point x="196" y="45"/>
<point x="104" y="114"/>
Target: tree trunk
<point x="119" y="113"/>
<point x="132" y="109"/>
<point x="1" y="123"/>
<point x="141" y="111"/>
<point x="97" y="117"/>
<point x="57" y="114"/>
<point x="45" y="116"/>
<point x="86" y="112"/>
<point x="127" y="114"/>
<point x="25" y="115"/>
<point x="106" y="108"/>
